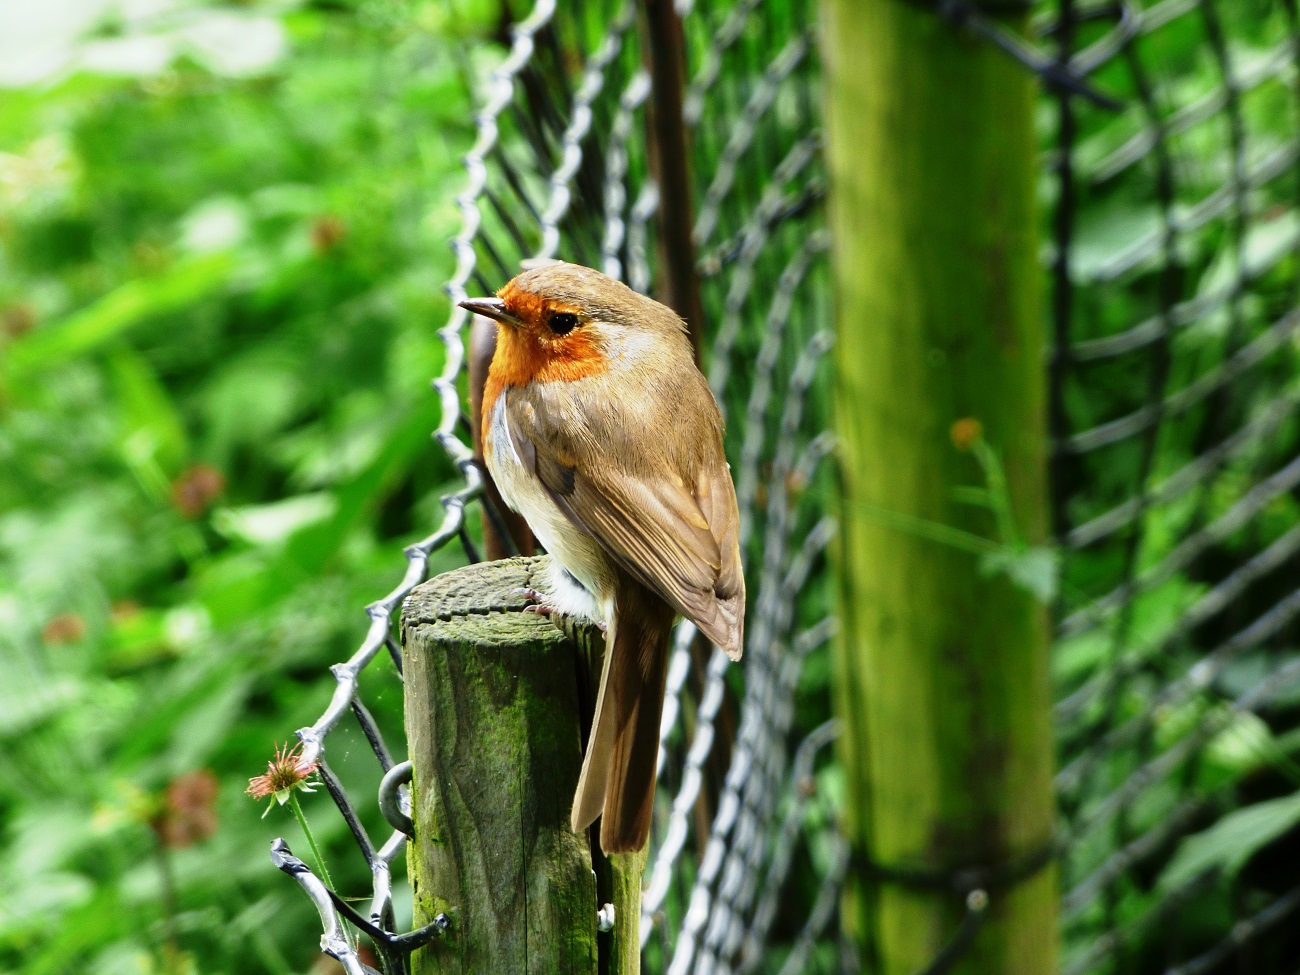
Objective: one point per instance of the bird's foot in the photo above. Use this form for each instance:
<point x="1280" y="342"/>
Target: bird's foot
<point x="538" y="605"/>
<point x="536" y="602"/>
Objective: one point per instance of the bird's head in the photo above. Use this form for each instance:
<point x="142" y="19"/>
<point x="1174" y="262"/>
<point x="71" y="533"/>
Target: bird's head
<point x="573" y="319"/>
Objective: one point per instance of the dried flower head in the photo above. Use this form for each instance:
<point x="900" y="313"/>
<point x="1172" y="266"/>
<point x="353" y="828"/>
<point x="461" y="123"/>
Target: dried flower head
<point x="965" y="432"/>
<point x="17" y="320"/>
<point x="187" y="814"/>
<point x="196" y="488"/>
<point x="286" y="772"/>
<point x="327" y="233"/>
<point x="64" y="628"/>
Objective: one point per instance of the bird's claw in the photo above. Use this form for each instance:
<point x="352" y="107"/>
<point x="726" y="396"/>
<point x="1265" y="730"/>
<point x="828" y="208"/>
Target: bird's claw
<point x="537" y="601"/>
<point x="537" y="604"/>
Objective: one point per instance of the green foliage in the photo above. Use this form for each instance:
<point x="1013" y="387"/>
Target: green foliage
<point x="1155" y="677"/>
<point x="1034" y="569"/>
<point x="1233" y="840"/>
<point x="220" y="281"/>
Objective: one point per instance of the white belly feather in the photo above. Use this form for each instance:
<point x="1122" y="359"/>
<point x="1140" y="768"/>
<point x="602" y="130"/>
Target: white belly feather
<point x="572" y="550"/>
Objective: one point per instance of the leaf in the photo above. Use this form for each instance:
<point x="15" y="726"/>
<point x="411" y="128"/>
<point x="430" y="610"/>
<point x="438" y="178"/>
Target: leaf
<point x="137" y="640"/>
<point x="215" y="225"/>
<point x="977" y="496"/>
<point x="250" y="398"/>
<point x="309" y="549"/>
<point x="234" y="44"/>
<point x="270" y="524"/>
<point x="238" y="587"/>
<point x="1076" y="657"/>
<point x="23" y="706"/>
<point x="1243" y="746"/>
<point x="1233" y="840"/>
<point x="1035" y="570"/>
<point x="115" y="314"/>
<point x="932" y="530"/>
<point x="153" y="425"/>
<point x="1107" y="231"/>
<point x="201" y="729"/>
<point x="1266" y="243"/>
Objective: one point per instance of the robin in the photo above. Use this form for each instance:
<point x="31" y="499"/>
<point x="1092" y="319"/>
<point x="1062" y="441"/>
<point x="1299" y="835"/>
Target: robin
<point x="601" y="431"/>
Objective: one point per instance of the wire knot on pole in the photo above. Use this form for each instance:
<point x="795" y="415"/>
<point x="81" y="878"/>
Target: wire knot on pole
<point x="973" y="884"/>
<point x="1055" y="74"/>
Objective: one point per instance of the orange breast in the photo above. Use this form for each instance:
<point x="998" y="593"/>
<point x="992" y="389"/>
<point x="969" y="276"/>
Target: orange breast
<point x="523" y="357"/>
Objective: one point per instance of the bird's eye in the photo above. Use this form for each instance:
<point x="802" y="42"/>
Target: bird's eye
<point x="563" y="322"/>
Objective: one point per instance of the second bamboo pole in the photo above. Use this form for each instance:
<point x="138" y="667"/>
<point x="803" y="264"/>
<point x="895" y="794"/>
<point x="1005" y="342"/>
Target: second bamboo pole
<point x="941" y="668"/>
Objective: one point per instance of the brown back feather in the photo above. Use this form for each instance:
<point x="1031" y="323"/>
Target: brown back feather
<point x="620" y="766"/>
<point x="666" y="512"/>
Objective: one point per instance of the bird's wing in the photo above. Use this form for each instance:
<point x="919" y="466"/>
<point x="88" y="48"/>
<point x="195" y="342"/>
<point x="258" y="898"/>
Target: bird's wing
<point x="677" y="538"/>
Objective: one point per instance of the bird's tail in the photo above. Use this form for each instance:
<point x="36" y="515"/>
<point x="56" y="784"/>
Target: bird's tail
<point x="618" y="770"/>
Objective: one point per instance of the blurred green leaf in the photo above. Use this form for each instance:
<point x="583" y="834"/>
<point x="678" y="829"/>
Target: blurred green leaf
<point x="1233" y="840"/>
<point x="24" y="706"/>
<point x="222" y="286"/>
<point x="313" y="546"/>
<point x="1036" y="570"/>
<point x="113" y="315"/>
<point x="152" y="426"/>
<point x="1266" y="241"/>
<point x="270" y="524"/>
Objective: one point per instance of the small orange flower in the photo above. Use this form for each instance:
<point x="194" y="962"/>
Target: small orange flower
<point x="286" y="772"/>
<point x="965" y="432"/>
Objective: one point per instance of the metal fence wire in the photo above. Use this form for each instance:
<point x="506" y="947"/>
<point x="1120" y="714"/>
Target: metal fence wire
<point x="1171" y="171"/>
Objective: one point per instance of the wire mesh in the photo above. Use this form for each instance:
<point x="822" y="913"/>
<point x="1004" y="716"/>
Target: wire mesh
<point x="1175" y="474"/>
<point x="1171" y="163"/>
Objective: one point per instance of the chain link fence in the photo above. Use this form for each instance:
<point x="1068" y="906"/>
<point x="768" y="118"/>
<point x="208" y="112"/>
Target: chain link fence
<point x="1173" y="219"/>
<point x="1176" y="465"/>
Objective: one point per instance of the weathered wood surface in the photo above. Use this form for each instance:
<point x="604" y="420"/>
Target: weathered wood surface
<point x="494" y="705"/>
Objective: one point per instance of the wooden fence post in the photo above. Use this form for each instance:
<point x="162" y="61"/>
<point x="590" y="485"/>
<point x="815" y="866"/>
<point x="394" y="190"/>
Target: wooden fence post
<point x="496" y="701"/>
<point x="942" y="679"/>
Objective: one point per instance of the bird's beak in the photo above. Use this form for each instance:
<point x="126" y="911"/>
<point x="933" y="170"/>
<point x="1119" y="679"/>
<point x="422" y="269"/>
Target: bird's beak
<point x="493" y="308"/>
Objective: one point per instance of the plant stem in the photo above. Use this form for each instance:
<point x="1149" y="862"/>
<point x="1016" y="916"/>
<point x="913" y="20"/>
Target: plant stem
<point x="170" y="947"/>
<point x="315" y="852"/>
<point x="996" y="480"/>
<point x="934" y="531"/>
<point x="311" y="840"/>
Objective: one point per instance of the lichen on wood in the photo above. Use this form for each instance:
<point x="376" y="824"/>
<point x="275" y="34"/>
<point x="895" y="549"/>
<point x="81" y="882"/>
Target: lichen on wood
<point x="494" y="722"/>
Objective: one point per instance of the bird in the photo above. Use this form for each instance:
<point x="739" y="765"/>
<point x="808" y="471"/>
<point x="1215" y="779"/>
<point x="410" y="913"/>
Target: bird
<point x="601" y="431"/>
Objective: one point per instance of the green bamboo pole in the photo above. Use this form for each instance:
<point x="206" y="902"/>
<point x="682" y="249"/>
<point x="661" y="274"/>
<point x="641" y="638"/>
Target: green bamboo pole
<point x="942" y="677"/>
